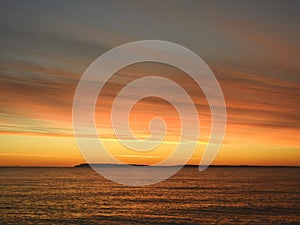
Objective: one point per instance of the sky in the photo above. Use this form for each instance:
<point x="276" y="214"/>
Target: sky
<point x="252" y="47"/>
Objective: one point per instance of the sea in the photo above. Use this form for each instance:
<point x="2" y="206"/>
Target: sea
<point x="218" y="195"/>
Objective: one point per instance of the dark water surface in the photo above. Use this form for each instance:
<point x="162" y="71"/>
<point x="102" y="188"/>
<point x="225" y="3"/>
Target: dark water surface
<point x="218" y="195"/>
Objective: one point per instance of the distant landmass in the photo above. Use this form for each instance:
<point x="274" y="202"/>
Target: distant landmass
<point x="90" y="165"/>
<point x="86" y="165"/>
<point x="107" y="165"/>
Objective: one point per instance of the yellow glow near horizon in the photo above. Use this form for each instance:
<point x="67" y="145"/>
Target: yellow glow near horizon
<point x="21" y="150"/>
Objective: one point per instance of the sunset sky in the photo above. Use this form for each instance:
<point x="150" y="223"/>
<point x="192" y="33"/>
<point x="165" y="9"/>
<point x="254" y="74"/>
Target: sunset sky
<point x="252" y="47"/>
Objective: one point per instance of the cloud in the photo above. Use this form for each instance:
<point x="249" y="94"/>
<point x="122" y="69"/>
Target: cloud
<point x="45" y="52"/>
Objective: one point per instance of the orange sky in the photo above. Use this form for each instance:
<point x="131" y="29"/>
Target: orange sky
<point x="253" y="53"/>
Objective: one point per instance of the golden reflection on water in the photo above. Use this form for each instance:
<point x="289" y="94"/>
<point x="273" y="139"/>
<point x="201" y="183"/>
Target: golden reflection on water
<point x="217" y="195"/>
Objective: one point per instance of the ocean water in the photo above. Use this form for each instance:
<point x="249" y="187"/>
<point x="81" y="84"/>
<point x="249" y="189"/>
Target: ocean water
<point x="219" y="195"/>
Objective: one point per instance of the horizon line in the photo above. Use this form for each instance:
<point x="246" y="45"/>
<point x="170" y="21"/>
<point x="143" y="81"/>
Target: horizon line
<point x="86" y="165"/>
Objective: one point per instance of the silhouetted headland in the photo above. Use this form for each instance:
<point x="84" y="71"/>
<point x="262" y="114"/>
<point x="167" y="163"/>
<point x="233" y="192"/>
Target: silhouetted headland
<point x="83" y="165"/>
